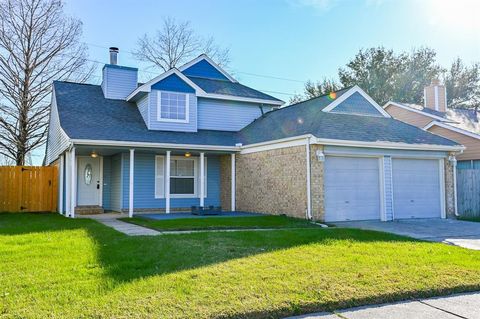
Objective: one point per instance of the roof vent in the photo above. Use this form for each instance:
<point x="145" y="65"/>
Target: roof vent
<point x="113" y="55"/>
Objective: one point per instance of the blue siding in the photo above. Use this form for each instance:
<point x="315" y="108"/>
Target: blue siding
<point x="143" y="108"/>
<point x="173" y="83"/>
<point x="470" y="164"/>
<point x="191" y="126"/>
<point x="387" y="168"/>
<point x="57" y="141"/>
<point x="118" y="82"/>
<point x="144" y="184"/>
<point x="225" y="115"/>
<point x="116" y="183"/>
<point x="107" y="174"/>
<point x="203" y="69"/>
<point x="356" y="104"/>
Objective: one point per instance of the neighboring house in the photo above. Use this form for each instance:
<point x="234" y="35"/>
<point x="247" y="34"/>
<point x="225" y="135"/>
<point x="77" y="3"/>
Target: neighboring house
<point x="195" y="136"/>
<point x="460" y="125"/>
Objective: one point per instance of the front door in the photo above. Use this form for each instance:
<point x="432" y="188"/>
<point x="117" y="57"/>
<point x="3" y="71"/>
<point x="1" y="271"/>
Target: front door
<point x="88" y="181"/>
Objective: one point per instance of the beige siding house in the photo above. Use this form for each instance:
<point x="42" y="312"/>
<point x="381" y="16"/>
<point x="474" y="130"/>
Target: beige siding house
<point x="459" y="125"/>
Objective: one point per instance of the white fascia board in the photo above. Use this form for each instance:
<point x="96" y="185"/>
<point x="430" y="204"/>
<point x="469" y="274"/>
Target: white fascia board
<point x="390" y="145"/>
<point x="276" y="144"/>
<point x="239" y="98"/>
<point x="452" y="128"/>
<point x="147" y="87"/>
<point x="346" y="95"/>
<point x="416" y="111"/>
<point x="206" y="58"/>
<point x="155" y="145"/>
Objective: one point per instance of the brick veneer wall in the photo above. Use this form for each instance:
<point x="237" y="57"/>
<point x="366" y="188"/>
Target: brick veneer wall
<point x="225" y="182"/>
<point x="449" y="189"/>
<point x="316" y="184"/>
<point x="272" y="182"/>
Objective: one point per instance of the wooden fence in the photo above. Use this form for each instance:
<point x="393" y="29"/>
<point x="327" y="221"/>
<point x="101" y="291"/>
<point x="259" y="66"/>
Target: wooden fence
<point x="28" y="188"/>
<point x="468" y="192"/>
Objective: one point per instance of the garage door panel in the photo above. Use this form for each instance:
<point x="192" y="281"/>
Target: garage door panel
<point x="351" y="188"/>
<point x="416" y="188"/>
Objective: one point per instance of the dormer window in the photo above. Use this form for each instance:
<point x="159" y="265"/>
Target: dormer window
<point x="173" y="107"/>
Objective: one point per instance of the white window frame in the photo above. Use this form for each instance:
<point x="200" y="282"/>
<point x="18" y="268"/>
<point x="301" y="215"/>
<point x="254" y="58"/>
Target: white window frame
<point x="196" y="185"/>
<point x="159" y="108"/>
<point x="195" y="176"/>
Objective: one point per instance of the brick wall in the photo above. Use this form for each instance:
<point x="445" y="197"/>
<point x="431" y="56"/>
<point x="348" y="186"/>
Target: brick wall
<point x="272" y="182"/>
<point x="316" y="184"/>
<point x="225" y="182"/>
<point x="449" y="189"/>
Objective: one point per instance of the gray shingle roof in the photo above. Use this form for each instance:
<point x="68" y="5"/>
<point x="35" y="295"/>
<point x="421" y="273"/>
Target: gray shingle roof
<point x="85" y="114"/>
<point x="230" y="88"/>
<point x="308" y="118"/>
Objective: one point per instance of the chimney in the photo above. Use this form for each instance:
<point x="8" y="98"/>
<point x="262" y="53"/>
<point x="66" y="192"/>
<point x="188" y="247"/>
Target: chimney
<point x="113" y="55"/>
<point x="435" y="96"/>
<point x="118" y="81"/>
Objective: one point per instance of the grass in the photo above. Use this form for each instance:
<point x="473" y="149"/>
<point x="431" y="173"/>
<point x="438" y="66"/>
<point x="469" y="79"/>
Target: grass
<point x="470" y="219"/>
<point x="77" y="268"/>
<point x="253" y="222"/>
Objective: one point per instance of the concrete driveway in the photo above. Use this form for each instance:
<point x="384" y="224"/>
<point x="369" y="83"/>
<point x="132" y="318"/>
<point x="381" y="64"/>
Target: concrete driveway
<point x="450" y="231"/>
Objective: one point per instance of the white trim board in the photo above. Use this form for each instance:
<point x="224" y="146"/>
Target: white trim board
<point x="350" y="92"/>
<point x="452" y="128"/>
<point x="206" y="58"/>
<point x="390" y="103"/>
<point x="155" y="145"/>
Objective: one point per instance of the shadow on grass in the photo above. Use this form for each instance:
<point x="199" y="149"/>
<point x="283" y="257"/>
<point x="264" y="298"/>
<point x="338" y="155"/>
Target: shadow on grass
<point x="126" y="259"/>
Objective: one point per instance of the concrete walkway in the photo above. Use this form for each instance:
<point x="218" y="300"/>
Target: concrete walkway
<point x="449" y="231"/>
<point x="111" y="220"/>
<point x="451" y="307"/>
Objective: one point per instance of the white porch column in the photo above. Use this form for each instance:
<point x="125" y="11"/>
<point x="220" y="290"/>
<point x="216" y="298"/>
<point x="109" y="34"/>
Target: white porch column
<point x="167" y="183"/>
<point x="130" y="188"/>
<point x="68" y="184"/>
<point x="73" y="180"/>
<point x="233" y="183"/>
<point x="202" y="179"/>
<point x="60" y="184"/>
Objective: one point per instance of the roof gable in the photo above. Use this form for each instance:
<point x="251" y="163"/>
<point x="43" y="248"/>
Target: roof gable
<point x="203" y="69"/>
<point x="173" y="83"/>
<point x="356" y="102"/>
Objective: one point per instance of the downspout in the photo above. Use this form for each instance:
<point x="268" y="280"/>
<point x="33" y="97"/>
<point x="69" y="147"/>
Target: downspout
<point x="309" y="203"/>
<point x="454" y="164"/>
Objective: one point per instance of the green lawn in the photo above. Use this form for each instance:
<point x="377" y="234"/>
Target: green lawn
<point x="65" y="268"/>
<point x="470" y="219"/>
<point x="222" y="223"/>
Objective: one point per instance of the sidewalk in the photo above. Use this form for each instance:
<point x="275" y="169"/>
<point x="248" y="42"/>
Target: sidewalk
<point x="451" y="307"/>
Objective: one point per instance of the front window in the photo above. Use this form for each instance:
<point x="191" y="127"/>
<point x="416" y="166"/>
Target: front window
<point x="182" y="177"/>
<point x="173" y="107"/>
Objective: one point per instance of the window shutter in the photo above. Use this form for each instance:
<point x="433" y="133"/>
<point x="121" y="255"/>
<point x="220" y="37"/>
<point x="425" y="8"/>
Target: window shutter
<point x="159" y="176"/>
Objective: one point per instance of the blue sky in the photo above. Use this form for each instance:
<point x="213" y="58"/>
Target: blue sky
<point x="292" y="39"/>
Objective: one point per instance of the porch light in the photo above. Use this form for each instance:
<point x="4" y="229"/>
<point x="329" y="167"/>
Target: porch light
<point x="320" y="156"/>
<point x="188" y="154"/>
<point x="94" y="154"/>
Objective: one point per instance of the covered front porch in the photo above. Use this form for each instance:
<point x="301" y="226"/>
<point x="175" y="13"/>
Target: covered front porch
<point x="139" y="180"/>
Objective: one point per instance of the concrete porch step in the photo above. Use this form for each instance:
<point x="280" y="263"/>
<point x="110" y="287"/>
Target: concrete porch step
<point x="88" y="210"/>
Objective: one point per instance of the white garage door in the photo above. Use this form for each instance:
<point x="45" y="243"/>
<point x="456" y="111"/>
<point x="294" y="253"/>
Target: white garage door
<point x="351" y="188"/>
<point x="416" y="188"/>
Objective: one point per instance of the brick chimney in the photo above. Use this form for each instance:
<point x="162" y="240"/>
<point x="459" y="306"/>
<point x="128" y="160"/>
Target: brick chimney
<point x="435" y="96"/>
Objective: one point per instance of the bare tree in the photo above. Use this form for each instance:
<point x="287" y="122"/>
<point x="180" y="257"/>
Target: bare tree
<point x="38" y="44"/>
<point x="176" y="43"/>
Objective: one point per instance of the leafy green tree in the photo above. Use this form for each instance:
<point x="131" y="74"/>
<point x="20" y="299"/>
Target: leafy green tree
<point x="386" y="75"/>
<point x="463" y="85"/>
